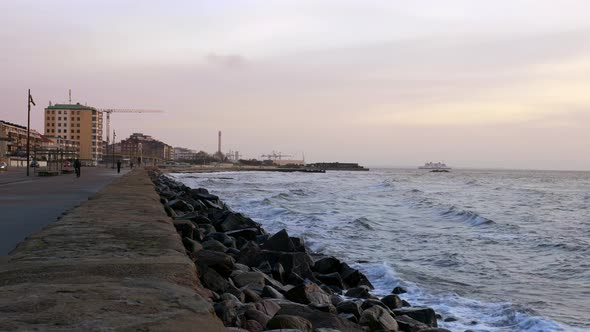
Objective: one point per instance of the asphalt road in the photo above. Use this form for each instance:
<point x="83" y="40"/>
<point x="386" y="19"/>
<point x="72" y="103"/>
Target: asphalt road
<point x="29" y="204"/>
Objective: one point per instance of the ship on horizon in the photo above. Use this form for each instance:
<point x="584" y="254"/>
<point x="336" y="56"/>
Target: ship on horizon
<point x="435" y="167"/>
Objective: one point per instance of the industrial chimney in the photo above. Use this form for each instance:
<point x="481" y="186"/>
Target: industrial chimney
<point x="219" y="143"/>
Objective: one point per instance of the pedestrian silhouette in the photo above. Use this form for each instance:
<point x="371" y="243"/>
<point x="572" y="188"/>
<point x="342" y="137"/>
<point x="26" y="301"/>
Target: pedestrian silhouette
<point x="77" y="167"/>
<point x="118" y="166"/>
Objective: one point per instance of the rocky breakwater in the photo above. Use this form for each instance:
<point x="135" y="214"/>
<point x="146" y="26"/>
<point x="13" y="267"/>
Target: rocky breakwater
<point x="262" y="282"/>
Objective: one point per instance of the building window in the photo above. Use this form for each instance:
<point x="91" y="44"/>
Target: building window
<point x="78" y="131"/>
<point x="59" y="118"/>
<point x="93" y="118"/>
<point x="65" y="118"/>
<point x="53" y="118"/>
<point x="72" y="131"/>
<point x="48" y="118"/>
<point x="78" y="125"/>
<point x="78" y="114"/>
<point x="52" y="112"/>
<point x="78" y="117"/>
<point x="78" y="137"/>
<point x="59" y="124"/>
<point x="59" y="131"/>
<point x="72" y="137"/>
<point x="58" y="112"/>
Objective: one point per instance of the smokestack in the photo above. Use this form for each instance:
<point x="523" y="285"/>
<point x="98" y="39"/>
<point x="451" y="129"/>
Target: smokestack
<point x="219" y="143"/>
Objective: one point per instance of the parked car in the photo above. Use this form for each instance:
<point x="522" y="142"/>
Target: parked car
<point x="3" y="166"/>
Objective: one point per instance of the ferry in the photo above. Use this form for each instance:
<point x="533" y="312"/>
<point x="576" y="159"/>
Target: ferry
<point x="435" y="167"/>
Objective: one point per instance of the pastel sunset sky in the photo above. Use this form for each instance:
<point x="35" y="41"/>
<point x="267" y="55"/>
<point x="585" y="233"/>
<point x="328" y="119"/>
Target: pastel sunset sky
<point x="383" y="83"/>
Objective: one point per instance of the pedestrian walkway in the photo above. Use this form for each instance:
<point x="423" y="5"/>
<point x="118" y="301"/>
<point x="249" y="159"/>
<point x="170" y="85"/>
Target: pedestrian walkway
<point x="27" y="204"/>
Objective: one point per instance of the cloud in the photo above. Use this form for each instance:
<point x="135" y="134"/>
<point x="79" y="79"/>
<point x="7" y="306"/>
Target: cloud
<point x="229" y="61"/>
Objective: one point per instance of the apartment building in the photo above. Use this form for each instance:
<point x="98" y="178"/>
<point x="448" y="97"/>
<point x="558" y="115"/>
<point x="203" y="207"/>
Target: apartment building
<point x="150" y="150"/>
<point x="79" y="123"/>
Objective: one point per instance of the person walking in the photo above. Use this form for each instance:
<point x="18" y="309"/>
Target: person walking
<point x="77" y="167"/>
<point x="118" y="166"/>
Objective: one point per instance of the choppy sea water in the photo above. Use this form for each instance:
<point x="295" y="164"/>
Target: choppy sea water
<point x="497" y="250"/>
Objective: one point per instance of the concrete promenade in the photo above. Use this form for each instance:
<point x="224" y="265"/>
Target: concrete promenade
<point x="115" y="263"/>
<point x="27" y="204"/>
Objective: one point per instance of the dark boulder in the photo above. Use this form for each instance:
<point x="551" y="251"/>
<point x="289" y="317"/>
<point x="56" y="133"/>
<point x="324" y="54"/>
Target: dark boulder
<point x="349" y="307"/>
<point x="248" y="234"/>
<point x="408" y="324"/>
<point x="327" y="265"/>
<point x="279" y="242"/>
<point x="299" y="244"/>
<point x="250" y="254"/>
<point x="259" y="316"/>
<point x="220" y="262"/>
<point x="399" y="290"/>
<point x="271" y="292"/>
<point x="369" y="303"/>
<point x="180" y="205"/>
<point x="421" y="314"/>
<point x="378" y="319"/>
<point x="236" y="221"/>
<point x="268" y="307"/>
<point x="185" y="228"/>
<point x="331" y="279"/>
<point x="392" y="301"/>
<point x="201" y="220"/>
<point x="207" y="229"/>
<point x="227" y="240"/>
<point x="214" y="245"/>
<point x="191" y="246"/>
<point x="289" y="322"/>
<point x="434" y="329"/>
<point x="307" y="293"/>
<point x="247" y="278"/>
<point x="319" y="319"/>
<point x="227" y="311"/>
<point x="252" y="326"/>
<point x="353" y="277"/>
<point x="202" y="193"/>
<point x="214" y="281"/>
<point x="361" y="292"/>
<point x="251" y="295"/>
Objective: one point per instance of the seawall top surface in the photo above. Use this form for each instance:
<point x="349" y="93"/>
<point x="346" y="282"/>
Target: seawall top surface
<point x="115" y="263"/>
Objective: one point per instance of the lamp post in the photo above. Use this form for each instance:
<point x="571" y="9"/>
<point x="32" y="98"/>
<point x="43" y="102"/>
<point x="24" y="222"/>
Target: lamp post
<point x="113" y="147"/>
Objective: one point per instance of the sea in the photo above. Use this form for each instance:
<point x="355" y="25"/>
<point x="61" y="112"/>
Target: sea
<point x="494" y="250"/>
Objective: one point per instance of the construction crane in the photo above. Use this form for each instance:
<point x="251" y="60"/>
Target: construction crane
<point x="275" y="155"/>
<point x="108" y="111"/>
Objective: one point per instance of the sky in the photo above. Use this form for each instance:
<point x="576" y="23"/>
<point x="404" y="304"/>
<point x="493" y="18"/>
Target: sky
<point x="484" y="84"/>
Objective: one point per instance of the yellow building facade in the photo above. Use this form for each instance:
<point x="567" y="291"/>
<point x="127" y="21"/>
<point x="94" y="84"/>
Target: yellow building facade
<point x="80" y="123"/>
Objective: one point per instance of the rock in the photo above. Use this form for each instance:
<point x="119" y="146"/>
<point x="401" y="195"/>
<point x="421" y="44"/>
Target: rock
<point x="399" y="290"/>
<point x="250" y="295"/>
<point x="279" y="242"/>
<point x="392" y="301"/>
<point x="228" y="297"/>
<point x="324" y="308"/>
<point x="421" y="314"/>
<point x="450" y="319"/>
<point x="249" y="234"/>
<point x="207" y="229"/>
<point x="349" y="307"/>
<point x="214" y="245"/>
<point x="170" y="212"/>
<point x="185" y="228"/>
<point x="369" y="303"/>
<point x="268" y="307"/>
<point x="246" y="278"/>
<point x="297" y="262"/>
<point x="191" y="246"/>
<point x="408" y="324"/>
<point x="227" y="311"/>
<point x="331" y="279"/>
<point x="307" y="293"/>
<point x="349" y="317"/>
<point x="250" y="254"/>
<point x="218" y="261"/>
<point x="202" y="193"/>
<point x="353" y="277"/>
<point x="295" y="279"/>
<point x="232" y="252"/>
<point x="180" y="205"/>
<point x="318" y="318"/>
<point x="377" y="318"/>
<point x="298" y="244"/>
<point x="258" y="316"/>
<point x="252" y="326"/>
<point x="241" y="267"/>
<point x="231" y="289"/>
<point x="289" y="322"/>
<point x="227" y="240"/>
<point x="434" y="329"/>
<point x="406" y="303"/>
<point x="201" y="220"/>
<point x="278" y="272"/>
<point x="327" y="265"/>
<point x="214" y="281"/>
<point x="270" y="292"/>
<point x="235" y="221"/>
<point x="361" y="292"/>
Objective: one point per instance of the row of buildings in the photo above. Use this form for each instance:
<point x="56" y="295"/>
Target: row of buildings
<point x="76" y="131"/>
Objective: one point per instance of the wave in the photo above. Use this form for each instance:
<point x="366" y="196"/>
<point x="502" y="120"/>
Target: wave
<point x="470" y="314"/>
<point x="468" y="216"/>
<point x="363" y="222"/>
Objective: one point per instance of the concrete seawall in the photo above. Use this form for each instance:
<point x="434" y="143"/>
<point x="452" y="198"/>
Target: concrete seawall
<point x="115" y="263"/>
